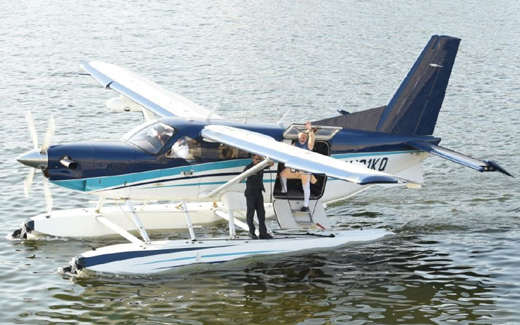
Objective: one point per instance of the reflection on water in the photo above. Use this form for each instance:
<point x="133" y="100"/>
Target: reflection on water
<point x="402" y="280"/>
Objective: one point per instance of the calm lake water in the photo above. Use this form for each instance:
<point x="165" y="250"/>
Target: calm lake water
<point x="455" y="257"/>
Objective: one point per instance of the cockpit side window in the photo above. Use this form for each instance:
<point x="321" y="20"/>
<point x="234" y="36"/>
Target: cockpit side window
<point x="153" y="137"/>
<point x="185" y="148"/>
<point x="191" y="149"/>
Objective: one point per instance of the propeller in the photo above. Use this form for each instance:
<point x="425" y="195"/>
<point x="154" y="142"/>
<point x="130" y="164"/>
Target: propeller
<point x="37" y="158"/>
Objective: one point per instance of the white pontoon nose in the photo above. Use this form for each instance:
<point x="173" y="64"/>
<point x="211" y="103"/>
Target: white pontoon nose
<point x="34" y="158"/>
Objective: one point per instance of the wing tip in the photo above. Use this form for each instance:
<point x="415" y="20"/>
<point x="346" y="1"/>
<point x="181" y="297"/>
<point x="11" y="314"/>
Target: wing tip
<point x="493" y="166"/>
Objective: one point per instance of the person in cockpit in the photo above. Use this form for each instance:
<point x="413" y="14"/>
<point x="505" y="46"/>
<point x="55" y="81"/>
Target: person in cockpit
<point x="180" y="149"/>
<point x="160" y="134"/>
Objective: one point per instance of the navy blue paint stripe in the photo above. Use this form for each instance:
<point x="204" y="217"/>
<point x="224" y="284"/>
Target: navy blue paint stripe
<point x="114" y="257"/>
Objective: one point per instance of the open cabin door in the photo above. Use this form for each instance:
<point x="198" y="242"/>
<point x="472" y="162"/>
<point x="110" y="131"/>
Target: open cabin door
<point x="323" y="136"/>
<point x="286" y="206"/>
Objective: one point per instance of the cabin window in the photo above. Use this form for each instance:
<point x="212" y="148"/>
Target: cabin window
<point x="226" y="152"/>
<point x="153" y="137"/>
<point x="185" y="148"/>
<point x="191" y="149"/>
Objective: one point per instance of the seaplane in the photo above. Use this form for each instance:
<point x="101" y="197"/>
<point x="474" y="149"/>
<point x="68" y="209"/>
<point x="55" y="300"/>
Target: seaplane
<point x="184" y="167"/>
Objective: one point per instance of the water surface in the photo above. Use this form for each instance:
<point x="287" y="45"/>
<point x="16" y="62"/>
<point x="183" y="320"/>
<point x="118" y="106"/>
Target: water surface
<point x="455" y="254"/>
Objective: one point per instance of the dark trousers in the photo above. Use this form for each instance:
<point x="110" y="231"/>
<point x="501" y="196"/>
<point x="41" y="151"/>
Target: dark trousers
<point x="256" y="202"/>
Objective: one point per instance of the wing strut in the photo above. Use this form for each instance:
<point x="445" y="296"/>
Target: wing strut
<point x="188" y="221"/>
<point x="119" y="230"/>
<point x="238" y="178"/>
<point x="137" y="222"/>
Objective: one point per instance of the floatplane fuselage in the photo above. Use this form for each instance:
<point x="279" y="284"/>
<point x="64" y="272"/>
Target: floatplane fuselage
<point x="185" y="166"/>
<point x="130" y="170"/>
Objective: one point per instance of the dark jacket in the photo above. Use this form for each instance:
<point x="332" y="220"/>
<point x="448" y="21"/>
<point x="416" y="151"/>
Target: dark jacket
<point x="255" y="182"/>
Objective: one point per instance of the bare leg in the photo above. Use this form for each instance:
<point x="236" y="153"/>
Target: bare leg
<point x="287" y="174"/>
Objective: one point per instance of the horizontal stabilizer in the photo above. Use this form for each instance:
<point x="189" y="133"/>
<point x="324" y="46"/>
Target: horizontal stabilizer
<point x="480" y="165"/>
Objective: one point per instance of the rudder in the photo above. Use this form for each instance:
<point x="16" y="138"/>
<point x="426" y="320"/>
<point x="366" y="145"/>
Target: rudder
<point x="414" y="108"/>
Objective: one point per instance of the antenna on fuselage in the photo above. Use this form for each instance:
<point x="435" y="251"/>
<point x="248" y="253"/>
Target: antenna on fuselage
<point x="283" y="117"/>
<point x="211" y="113"/>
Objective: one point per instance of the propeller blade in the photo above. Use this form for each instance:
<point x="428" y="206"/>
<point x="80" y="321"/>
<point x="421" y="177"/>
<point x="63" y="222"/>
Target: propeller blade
<point x="48" y="135"/>
<point x="32" y="129"/>
<point x="27" y="183"/>
<point x="48" y="196"/>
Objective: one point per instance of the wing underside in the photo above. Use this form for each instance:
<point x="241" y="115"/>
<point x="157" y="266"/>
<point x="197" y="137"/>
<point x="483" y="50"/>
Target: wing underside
<point x="144" y="92"/>
<point x="296" y="158"/>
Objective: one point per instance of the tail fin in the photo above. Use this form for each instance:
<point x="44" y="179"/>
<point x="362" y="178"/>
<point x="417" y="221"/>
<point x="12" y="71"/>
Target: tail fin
<point x="416" y="104"/>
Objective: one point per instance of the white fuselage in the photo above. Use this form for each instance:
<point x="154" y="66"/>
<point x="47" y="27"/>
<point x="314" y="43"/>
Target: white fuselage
<point x="191" y="183"/>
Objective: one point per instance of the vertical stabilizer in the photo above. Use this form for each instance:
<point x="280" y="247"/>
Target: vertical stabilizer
<point x="415" y="106"/>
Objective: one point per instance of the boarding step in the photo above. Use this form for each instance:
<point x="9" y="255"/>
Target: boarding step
<point x="290" y="217"/>
<point x="303" y="218"/>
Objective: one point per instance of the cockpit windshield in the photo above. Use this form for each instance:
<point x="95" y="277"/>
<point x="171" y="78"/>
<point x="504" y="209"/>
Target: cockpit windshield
<point x="152" y="138"/>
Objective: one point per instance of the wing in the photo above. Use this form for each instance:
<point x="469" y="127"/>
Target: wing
<point x="144" y="92"/>
<point x="296" y="158"/>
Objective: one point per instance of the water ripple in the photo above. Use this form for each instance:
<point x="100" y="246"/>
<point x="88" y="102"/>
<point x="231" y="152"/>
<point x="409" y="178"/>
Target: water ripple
<point x="455" y="254"/>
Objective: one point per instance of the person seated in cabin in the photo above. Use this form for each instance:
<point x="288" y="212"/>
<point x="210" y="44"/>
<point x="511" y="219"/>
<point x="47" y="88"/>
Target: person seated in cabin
<point x="161" y="134"/>
<point x="226" y="152"/>
<point x="305" y="141"/>
<point x="185" y="148"/>
<point x="180" y="149"/>
<point x="195" y="148"/>
<point x="157" y="136"/>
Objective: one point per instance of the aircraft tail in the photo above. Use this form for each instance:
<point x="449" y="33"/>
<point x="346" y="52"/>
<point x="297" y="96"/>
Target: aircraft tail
<point x="415" y="106"/>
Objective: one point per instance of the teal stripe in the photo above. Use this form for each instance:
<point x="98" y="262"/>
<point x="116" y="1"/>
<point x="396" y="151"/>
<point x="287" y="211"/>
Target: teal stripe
<point x="105" y="183"/>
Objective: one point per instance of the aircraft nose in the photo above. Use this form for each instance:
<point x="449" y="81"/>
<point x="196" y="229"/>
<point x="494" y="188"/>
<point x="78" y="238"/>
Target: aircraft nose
<point x="34" y="158"/>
